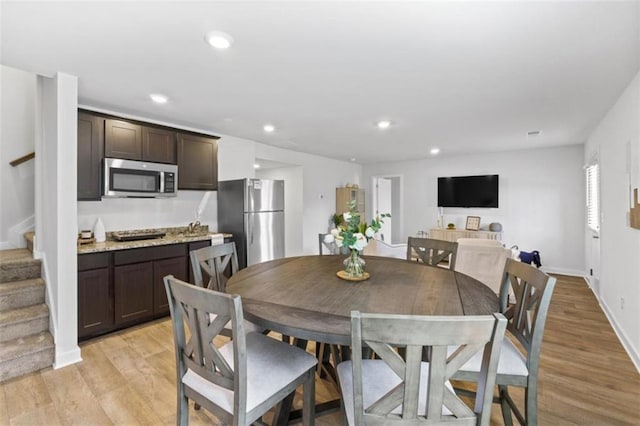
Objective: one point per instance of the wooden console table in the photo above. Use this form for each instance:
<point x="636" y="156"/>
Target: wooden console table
<point x="455" y="234"/>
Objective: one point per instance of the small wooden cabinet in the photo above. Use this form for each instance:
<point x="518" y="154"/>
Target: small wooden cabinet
<point x="95" y="295"/>
<point x="346" y="195"/>
<point x="123" y="140"/>
<point x="177" y="267"/>
<point x="158" y="145"/>
<point x="197" y="162"/>
<point x="133" y="291"/>
<point x="90" y="155"/>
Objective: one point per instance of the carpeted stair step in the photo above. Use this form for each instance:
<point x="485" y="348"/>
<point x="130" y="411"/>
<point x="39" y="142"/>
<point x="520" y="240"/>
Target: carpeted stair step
<point x="29" y="236"/>
<point x="19" y="294"/>
<point x="23" y="322"/>
<point x="25" y="355"/>
<point x="18" y="264"/>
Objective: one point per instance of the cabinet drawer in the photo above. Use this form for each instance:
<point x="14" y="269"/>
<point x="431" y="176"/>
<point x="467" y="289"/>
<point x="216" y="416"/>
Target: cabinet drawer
<point x="145" y="254"/>
<point x="93" y="261"/>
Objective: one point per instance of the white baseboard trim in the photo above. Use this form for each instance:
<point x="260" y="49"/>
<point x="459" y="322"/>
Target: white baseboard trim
<point x="622" y="336"/>
<point x="562" y="271"/>
<point x="69" y="357"/>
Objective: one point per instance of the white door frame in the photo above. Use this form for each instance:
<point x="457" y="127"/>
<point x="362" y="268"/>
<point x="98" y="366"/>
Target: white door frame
<point x="397" y="207"/>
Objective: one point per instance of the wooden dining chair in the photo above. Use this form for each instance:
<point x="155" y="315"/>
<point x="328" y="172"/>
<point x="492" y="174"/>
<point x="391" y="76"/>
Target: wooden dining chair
<point x="526" y="322"/>
<point x="431" y="252"/>
<point x="214" y="261"/>
<point x="230" y="380"/>
<point x="396" y="390"/>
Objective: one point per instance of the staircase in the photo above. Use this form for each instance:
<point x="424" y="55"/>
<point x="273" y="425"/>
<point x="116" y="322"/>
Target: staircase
<point x="25" y="342"/>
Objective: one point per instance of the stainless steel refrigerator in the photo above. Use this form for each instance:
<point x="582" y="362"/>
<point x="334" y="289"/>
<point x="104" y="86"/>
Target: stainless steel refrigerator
<point x="253" y="211"/>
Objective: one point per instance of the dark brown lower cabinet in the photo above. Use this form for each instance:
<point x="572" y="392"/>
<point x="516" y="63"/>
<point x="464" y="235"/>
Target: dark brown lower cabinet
<point x="95" y="302"/>
<point x="118" y="289"/>
<point x="133" y="291"/>
<point x="176" y="267"/>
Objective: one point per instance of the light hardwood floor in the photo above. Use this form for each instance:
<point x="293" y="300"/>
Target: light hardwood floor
<point x="586" y="377"/>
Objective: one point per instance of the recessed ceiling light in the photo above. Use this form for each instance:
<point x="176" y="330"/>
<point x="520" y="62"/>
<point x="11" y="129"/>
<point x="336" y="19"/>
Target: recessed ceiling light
<point x="352" y="159"/>
<point x="435" y="151"/>
<point x="219" y="40"/>
<point x="533" y="133"/>
<point x="384" y="124"/>
<point x="269" y="128"/>
<point x="159" y="98"/>
<point x="256" y="166"/>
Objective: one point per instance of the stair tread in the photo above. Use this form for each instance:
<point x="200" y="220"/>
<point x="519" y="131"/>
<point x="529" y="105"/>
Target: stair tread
<point x="16" y="256"/>
<point x="22" y="285"/>
<point x="25" y="345"/>
<point x="17" y="315"/>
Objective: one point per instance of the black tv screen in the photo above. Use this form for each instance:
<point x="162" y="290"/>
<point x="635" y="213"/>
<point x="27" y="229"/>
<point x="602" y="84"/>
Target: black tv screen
<point x="468" y="191"/>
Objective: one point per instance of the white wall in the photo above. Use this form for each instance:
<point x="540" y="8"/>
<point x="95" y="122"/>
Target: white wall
<point x="55" y="207"/>
<point x="320" y="177"/>
<point x="619" y="243"/>
<point x="17" y="132"/>
<point x="541" y="199"/>
<point x="293" y="209"/>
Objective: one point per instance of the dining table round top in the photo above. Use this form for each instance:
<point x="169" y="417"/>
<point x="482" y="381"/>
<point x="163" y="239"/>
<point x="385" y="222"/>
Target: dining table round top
<point x="303" y="297"/>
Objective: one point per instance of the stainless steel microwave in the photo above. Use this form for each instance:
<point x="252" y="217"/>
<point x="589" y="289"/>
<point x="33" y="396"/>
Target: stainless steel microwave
<point x="128" y="178"/>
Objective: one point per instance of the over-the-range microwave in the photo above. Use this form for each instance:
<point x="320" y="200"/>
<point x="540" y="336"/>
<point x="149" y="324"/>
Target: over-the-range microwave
<point x="128" y="178"/>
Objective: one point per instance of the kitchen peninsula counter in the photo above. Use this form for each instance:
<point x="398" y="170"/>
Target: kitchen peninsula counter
<point x="173" y="236"/>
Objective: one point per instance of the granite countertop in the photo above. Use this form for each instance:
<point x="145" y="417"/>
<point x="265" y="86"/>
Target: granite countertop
<point x="173" y="236"/>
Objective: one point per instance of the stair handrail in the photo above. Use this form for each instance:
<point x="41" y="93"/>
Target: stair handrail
<point x="22" y="159"/>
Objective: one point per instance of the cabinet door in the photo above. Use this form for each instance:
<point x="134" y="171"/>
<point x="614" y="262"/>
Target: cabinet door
<point x="90" y="155"/>
<point x="123" y="140"/>
<point x="177" y="267"/>
<point x="133" y="292"/>
<point x="95" y="302"/>
<point x="197" y="162"/>
<point x="158" y="145"/>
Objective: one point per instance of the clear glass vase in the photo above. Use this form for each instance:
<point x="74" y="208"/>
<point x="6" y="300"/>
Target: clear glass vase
<point x="354" y="264"/>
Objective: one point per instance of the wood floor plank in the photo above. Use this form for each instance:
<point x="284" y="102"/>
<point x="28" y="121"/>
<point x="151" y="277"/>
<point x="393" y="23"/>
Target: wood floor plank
<point x="41" y="415"/>
<point x="74" y="402"/>
<point x="124" y="406"/>
<point x="26" y="393"/>
<point x="4" y="410"/>
<point x="98" y="371"/>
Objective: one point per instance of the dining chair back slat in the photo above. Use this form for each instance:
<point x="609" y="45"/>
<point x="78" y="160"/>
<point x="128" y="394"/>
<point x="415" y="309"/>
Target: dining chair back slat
<point x="432" y="252"/>
<point x="214" y="261"/>
<point x="396" y="390"/>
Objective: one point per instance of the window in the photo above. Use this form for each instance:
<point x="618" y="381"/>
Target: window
<point x="593" y="197"/>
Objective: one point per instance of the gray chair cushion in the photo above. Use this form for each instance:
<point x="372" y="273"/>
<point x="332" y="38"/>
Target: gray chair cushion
<point x="271" y="365"/>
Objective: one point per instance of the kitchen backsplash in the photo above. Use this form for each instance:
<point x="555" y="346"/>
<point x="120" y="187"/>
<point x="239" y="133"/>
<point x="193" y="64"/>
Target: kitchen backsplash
<point x="143" y="213"/>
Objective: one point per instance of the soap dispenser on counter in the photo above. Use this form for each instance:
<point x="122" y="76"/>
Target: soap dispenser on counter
<point x="98" y="232"/>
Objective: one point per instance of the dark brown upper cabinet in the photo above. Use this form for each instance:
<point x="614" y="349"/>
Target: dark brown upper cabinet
<point x="158" y="145"/>
<point x="197" y="162"/>
<point x="123" y="140"/>
<point x="90" y="155"/>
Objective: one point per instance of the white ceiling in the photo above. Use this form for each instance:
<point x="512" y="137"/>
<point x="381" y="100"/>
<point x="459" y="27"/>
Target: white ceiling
<point x="463" y="76"/>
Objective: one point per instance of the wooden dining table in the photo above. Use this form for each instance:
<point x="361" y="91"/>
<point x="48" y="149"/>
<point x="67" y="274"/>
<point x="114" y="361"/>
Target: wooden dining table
<point x="304" y="298"/>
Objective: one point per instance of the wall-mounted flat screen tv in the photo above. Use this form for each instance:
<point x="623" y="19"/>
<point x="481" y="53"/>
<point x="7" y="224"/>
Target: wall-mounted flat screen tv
<point x="468" y="191"/>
